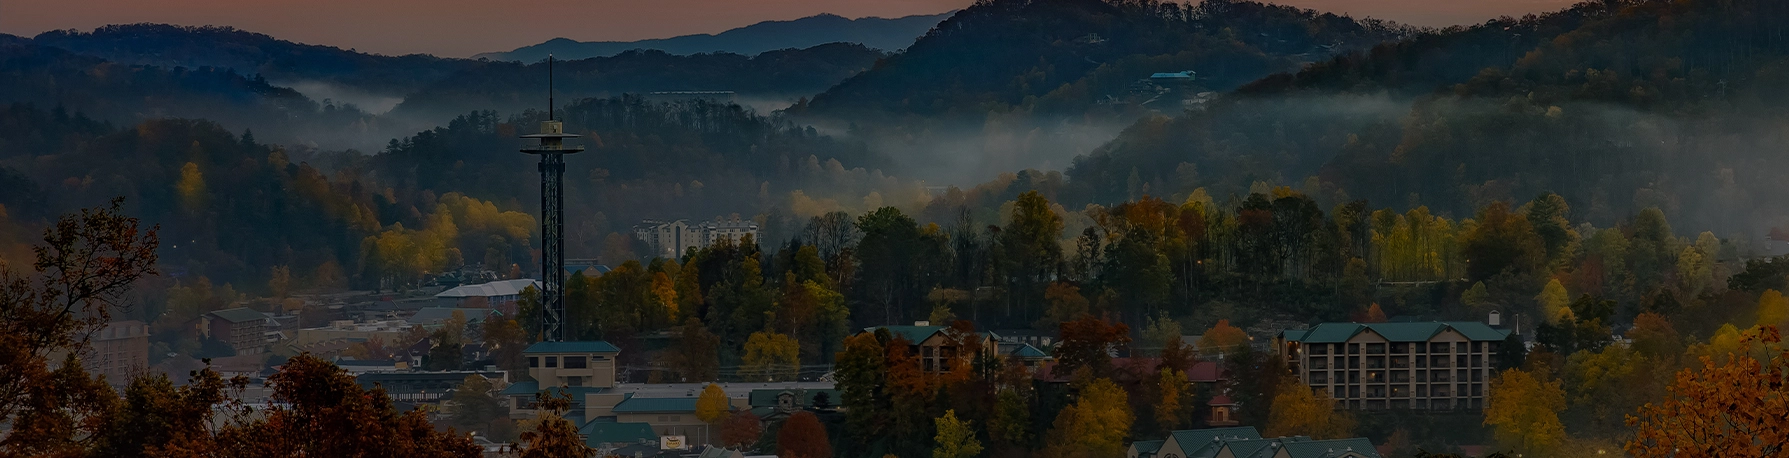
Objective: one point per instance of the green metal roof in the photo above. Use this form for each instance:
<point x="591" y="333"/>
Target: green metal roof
<point x="913" y="334"/>
<point x="588" y="346"/>
<point x="1028" y="351"/>
<point x="597" y="433"/>
<point x="1337" y="448"/>
<point x="1251" y="448"/>
<point x="1205" y="442"/>
<point x="239" y="315"/>
<point x="653" y="405"/>
<point x="1396" y="332"/>
<point x="1294" y="335"/>
<point x="1147" y="446"/>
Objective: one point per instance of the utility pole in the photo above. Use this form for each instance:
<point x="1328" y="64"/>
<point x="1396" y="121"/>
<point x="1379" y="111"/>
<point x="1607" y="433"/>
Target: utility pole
<point x="552" y="151"/>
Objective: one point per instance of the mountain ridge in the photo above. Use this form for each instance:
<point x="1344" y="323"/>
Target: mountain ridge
<point x="886" y="34"/>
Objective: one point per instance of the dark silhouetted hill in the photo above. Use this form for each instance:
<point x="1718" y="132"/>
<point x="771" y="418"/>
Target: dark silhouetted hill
<point x="876" y="33"/>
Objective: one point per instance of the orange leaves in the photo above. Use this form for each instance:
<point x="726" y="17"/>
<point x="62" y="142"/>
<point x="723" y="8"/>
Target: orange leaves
<point x="1736" y="409"/>
<point x="1222" y="338"/>
<point x="802" y="436"/>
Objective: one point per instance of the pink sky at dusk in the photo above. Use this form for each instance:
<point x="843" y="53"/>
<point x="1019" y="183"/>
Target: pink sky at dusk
<point x="460" y="28"/>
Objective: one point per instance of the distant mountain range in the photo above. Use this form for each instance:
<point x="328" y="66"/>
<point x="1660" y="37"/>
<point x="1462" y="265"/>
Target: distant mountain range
<point x="878" y="33"/>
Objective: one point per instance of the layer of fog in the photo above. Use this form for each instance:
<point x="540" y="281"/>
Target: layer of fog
<point x="322" y="92"/>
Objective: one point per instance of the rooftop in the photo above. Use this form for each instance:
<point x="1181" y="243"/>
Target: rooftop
<point x="240" y="315"/>
<point x="1395" y="332"/>
<point x="587" y="346"/>
<point x="653" y="405"/>
<point x="492" y="289"/>
<point x="597" y="433"/>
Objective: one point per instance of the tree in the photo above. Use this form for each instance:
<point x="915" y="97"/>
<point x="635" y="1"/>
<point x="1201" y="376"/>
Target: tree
<point x="505" y="340"/>
<point x="1299" y="410"/>
<point x="712" y="406"/>
<point x="1089" y="342"/>
<point x="317" y="409"/>
<point x="1063" y="303"/>
<point x="1734" y="408"/>
<point x="741" y="429"/>
<point x="1096" y="425"/>
<point x="1373" y="314"/>
<point x="158" y="418"/>
<point x="554" y="436"/>
<point x="473" y="406"/>
<point x="87" y="263"/>
<point x="1555" y="303"/>
<point x="956" y="439"/>
<point x="1222" y="338"/>
<point x="860" y="374"/>
<point x="1172" y="385"/>
<point x="1502" y="241"/>
<point x="1654" y="337"/>
<point x="1524" y="410"/>
<point x="1159" y="333"/>
<point x="280" y="282"/>
<point x="770" y="356"/>
<point x="1010" y="423"/>
<point x="1773" y="308"/>
<point x="695" y="356"/>
<point x="802" y="436"/>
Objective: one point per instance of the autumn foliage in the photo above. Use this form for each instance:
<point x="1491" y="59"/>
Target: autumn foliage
<point x="1732" y="406"/>
<point x="802" y="436"/>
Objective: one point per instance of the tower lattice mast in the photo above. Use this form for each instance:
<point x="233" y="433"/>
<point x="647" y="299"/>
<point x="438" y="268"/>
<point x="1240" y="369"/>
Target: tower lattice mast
<point x="552" y="151"/>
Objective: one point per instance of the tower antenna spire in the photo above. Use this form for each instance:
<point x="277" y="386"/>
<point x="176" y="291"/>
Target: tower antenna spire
<point x="549" y="87"/>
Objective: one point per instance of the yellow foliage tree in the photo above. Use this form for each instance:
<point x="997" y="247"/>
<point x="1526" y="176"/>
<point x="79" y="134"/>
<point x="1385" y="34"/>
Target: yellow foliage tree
<point x="1173" y="386"/>
<point x="191" y="187"/>
<point x="1773" y="308"/>
<point x="712" y="405"/>
<point x="770" y="356"/>
<point x="665" y="292"/>
<point x="1524" y="410"/>
<point x="956" y="439"/>
<point x="1555" y="302"/>
<point x="1300" y="411"/>
<point x="1096" y="425"/>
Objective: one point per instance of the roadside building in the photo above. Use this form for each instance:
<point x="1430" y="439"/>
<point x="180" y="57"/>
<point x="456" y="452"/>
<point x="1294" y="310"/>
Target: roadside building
<point x="1375" y="366"/>
<point x="120" y="351"/>
<point x="500" y="295"/>
<point x="671" y="239"/>
<point x="243" y="329"/>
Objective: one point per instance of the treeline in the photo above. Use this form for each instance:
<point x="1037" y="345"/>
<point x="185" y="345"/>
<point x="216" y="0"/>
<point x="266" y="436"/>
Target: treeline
<point x="774" y="76"/>
<point x="1002" y="54"/>
<point x="127" y="94"/>
<point x="249" y="53"/>
<point x="1617" y="106"/>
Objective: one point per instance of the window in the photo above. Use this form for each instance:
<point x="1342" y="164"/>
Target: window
<point x="1375" y="349"/>
<point x="575" y="362"/>
<point x="574" y="381"/>
<point x="533" y="361"/>
<point x="1353" y="349"/>
<point x="552" y="361"/>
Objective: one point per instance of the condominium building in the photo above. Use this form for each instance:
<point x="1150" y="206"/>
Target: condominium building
<point x="671" y="239"/>
<point x="120" y="351"/>
<point x="1421" y="366"/>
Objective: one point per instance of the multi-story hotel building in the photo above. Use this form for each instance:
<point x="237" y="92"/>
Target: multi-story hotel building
<point x="1422" y="366"/>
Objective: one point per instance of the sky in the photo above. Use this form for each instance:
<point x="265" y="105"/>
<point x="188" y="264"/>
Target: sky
<point x="461" y="28"/>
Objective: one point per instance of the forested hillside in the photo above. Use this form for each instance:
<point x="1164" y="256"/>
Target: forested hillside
<point x="249" y="53"/>
<point x="1001" y="53"/>
<point x="127" y="94"/>
<point x="774" y="76"/>
<point x="886" y="34"/>
<point x="1617" y="106"/>
<point x="1006" y="85"/>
